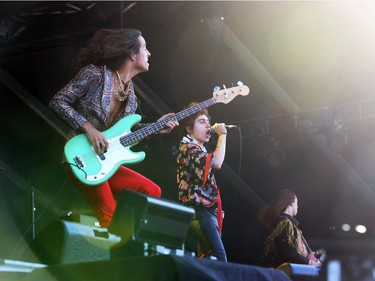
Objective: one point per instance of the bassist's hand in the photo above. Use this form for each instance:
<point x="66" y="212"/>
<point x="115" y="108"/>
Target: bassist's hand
<point x="170" y="124"/>
<point x="96" y="138"/>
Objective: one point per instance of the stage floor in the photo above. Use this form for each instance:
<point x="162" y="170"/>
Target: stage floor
<point x="155" y="268"/>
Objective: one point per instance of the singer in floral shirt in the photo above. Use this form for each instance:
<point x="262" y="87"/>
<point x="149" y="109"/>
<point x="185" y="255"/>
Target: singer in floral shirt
<point x="197" y="187"/>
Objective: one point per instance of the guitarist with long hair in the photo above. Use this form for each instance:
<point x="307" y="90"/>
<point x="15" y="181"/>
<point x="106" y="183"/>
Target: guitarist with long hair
<point x="286" y="244"/>
<point x="99" y="96"/>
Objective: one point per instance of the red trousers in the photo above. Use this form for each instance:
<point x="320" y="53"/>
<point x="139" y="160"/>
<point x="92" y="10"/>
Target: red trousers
<point x="101" y="198"/>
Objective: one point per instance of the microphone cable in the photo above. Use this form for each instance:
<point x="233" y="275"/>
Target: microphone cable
<point x="237" y="186"/>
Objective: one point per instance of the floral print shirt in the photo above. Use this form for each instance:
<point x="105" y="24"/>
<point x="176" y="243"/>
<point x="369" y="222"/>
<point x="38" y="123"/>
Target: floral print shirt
<point x="195" y="178"/>
<point x="87" y="98"/>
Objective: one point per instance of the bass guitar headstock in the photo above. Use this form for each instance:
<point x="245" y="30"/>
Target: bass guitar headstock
<point x="226" y="95"/>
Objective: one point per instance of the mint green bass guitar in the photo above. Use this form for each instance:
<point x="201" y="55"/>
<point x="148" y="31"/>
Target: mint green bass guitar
<point x="93" y="169"/>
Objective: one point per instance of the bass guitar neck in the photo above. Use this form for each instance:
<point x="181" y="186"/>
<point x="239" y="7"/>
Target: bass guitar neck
<point x="93" y="169"/>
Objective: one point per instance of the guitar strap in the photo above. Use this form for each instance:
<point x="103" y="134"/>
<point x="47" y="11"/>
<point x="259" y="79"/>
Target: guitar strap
<point x="305" y="242"/>
<point x="219" y="204"/>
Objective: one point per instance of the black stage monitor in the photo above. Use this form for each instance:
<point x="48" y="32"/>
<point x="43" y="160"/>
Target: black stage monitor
<point x="156" y="221"/>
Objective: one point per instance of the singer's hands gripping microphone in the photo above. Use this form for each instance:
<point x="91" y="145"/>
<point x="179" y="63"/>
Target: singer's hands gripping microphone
<point x="221" y="128"/>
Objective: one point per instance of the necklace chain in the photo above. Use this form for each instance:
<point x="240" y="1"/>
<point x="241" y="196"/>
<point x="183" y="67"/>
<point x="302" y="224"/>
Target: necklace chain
<point x="122" y="93"/>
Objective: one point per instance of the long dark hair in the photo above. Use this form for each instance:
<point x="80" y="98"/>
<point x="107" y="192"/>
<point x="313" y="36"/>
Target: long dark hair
<point x="269" y="214"/>
<point x="109" y="47"/>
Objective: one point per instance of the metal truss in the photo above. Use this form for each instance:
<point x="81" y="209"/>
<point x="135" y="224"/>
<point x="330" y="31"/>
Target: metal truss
<point x="308" y="121"/>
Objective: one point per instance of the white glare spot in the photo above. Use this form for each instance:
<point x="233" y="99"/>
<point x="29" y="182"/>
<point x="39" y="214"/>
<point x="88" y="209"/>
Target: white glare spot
<point x="345" y="227"/>
<point x="361" y="228"/>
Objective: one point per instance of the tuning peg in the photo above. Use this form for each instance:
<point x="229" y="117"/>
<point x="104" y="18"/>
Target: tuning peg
<point x="217" y="88"/>
<point x="239" y="83"/>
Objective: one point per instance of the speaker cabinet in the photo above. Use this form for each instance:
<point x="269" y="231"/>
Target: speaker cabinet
<point x="69" y="242"/>
<point x="143" y="219"/>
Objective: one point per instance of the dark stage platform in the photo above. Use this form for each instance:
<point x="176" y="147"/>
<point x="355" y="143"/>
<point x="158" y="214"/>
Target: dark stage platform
<point x="155" y="268"/>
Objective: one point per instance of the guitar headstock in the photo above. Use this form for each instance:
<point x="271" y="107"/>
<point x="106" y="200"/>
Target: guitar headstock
<point x="226" y="95"/>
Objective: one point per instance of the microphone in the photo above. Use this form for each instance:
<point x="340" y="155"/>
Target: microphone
<point x="226" y="126"/>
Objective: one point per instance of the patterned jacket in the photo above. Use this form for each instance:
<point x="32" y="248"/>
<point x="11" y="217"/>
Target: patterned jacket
<point x="87" y="98"/>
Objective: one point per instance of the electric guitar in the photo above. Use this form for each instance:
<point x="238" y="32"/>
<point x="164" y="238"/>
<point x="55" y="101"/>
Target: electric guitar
<point x="93" y="169"/>
<point x="318" y="257"/>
